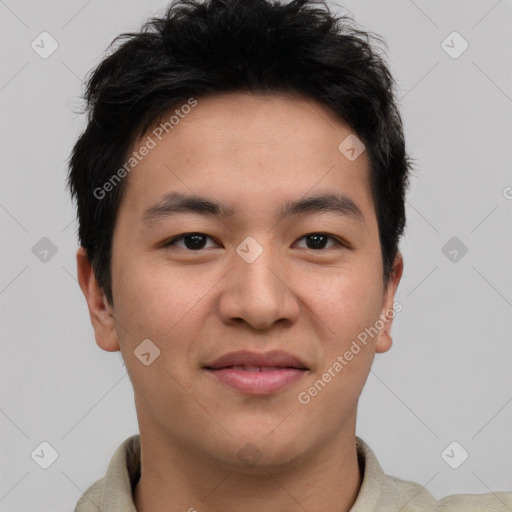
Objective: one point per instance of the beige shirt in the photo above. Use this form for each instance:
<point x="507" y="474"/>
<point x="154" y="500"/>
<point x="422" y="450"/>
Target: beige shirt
<point x="379" y="492"/>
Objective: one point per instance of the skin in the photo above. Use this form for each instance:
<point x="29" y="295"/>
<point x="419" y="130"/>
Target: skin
<point x="253" y="152"/>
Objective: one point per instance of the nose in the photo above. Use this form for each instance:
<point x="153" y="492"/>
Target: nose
<point x="258" y="293"/>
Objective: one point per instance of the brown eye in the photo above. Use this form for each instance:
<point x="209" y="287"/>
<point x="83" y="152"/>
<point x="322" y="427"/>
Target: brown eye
<point x="190" y="241"/>
<point x="318" y="241"/>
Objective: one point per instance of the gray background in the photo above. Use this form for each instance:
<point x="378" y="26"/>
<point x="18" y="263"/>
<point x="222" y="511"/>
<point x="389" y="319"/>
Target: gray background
<point x="447" y="377"/>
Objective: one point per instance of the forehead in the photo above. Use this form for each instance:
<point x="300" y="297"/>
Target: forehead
<point x="244" y="145"/>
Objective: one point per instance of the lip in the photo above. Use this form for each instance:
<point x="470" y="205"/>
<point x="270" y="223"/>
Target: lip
<point x="275" y="358"/>
<point x="258" y="383"/>
<point x="255" y="373"/>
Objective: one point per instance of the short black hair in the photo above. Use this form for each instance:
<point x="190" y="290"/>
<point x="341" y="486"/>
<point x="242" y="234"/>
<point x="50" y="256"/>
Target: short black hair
<point x="220" y="46"/>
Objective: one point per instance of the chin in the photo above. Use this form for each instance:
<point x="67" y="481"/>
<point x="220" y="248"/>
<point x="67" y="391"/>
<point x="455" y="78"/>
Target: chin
<point x="259" y="449"/>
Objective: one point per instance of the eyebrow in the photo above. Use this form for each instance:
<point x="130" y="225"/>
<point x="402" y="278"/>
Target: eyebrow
<point x="175" y="203"/>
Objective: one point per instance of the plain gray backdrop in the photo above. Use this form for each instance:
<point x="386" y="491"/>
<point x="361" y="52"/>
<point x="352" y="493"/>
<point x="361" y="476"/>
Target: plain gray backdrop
<point x="448" y="376"/>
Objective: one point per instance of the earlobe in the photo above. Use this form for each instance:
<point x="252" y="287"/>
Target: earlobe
<point x="388" y="311"/>
<point x="100" y="310"/>
<point x="384" y="342"/>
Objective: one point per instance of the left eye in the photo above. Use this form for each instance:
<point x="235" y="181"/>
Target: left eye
<point x="197" y="241"/>
<point x="317" y="241"/>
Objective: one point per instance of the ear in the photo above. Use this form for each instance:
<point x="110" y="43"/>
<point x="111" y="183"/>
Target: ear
<point x="100" y="311"/>
<point x="388" y="310"/>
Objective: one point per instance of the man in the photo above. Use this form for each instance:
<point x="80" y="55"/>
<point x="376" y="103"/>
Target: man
<point x="240" y="189"/>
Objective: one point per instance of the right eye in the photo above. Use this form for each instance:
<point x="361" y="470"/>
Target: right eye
<point x="190" y="241"/>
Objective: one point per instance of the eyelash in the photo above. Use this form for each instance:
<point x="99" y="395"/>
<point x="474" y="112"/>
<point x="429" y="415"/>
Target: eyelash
<point x="172" y="241"/>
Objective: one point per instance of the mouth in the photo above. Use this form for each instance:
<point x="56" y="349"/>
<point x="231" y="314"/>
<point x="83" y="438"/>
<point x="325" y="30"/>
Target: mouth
<point x="257" y="374"/>
<point x="256" y="368"/>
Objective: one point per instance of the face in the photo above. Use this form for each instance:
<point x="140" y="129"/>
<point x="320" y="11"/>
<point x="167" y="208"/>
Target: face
<point x="285" y="258"/>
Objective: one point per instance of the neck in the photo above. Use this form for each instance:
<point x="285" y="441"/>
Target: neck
<point x="173" y="479"/>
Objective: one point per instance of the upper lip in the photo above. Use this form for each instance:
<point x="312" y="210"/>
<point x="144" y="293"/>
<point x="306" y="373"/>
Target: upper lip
<point x="275" y="358"/>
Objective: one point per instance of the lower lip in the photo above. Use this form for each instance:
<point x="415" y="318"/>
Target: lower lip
<point x="258" y="383"/>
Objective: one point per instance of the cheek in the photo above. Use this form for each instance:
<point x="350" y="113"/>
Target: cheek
<point x="362" y="303"/>
<point x="163" y="305"/>
<point x="347" y="302"/>
<point x="157" y="307"/>
<point x="349" y="306"/>
<point x="147" y="297"/>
